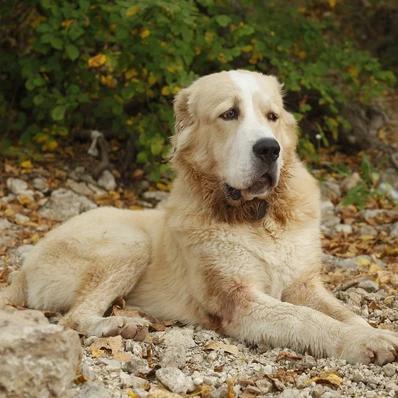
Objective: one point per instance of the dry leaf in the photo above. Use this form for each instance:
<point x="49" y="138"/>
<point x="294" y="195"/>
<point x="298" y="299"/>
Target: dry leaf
<point x="217" y="345"/>
<point x="329" y="378"/>
<point x="230" y="389"/>
<point x="289" y="356"/>
<point x="113" y="344"/>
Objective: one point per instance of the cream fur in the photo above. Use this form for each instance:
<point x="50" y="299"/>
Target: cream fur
<point x="202" y="259"/>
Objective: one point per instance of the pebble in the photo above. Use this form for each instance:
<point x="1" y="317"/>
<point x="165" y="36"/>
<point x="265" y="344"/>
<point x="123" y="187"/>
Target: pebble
<point x="111" y="364"/>
<point x="389" y="369"/>
<point x="40" y="184"/>
<point x="345" y="229"/>
<point x="4" y="224"/>
<point x="369" y="285"/>
<point x="16" y="186"/>
<point x="175" y="380"/>
<point x="107" y="181"/>
<point x="21" y="219"/>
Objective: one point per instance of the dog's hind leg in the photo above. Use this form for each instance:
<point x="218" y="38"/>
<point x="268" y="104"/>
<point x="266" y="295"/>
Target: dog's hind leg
<point x="99" y="290"/>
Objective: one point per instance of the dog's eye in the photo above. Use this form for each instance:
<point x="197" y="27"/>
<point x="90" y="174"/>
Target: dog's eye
<point x="272" y="116"/>
<point x="230" y="114"/>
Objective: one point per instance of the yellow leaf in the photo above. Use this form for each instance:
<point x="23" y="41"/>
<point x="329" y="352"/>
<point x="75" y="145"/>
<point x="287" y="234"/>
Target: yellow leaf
<point x="332" y="3"/>
<point x="165" y="91"/>
<point x="108" y="81"/>
<point x="50" y="145"/>
<point x="327" y="378"/>
<point x="145" y="33"/>
<point x="130" y="74"/>
<point x="132" y="11"/>
<point x="97" y="61"/>
<point x="362" y="261"/>
<point x="68" y="22"/>
<point x="132" y="394"/>
<point x="26" y="164"/>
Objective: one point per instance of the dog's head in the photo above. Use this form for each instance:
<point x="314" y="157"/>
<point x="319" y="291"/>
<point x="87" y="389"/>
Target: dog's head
<point x="232" y="127"/>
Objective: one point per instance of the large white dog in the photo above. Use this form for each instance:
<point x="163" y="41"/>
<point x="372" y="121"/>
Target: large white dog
<point x="236" y="248"/>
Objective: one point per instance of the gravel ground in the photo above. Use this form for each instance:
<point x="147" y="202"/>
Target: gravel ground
<point x="183" y="360"/>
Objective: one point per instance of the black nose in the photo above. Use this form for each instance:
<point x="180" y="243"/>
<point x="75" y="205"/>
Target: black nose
<point x="267" y="149"/>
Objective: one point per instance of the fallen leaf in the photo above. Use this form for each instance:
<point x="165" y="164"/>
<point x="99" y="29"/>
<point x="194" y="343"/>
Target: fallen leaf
<point x="218" y="345"/>
<point x="113" y="344"/>
<point x="329" y="378"/>
<point x="230" y="389"/>
<point x="288" y="356"/>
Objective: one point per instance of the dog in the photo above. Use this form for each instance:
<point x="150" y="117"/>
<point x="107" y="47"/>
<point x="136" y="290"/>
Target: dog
<point x="236" y="248"/>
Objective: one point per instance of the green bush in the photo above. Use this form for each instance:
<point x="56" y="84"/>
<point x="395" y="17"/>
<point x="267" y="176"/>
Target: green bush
<point x="66" y="66"/>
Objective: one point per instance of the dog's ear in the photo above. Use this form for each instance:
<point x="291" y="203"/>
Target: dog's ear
<point x="289" y="124"/>
<point x="183" y="119"/>
<point x="183" y="116"/>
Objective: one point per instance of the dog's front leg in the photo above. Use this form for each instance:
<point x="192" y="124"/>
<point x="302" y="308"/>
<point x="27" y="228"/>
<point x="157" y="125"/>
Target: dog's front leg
<point x="260" y="318"/>
<point x="309" y="291"/>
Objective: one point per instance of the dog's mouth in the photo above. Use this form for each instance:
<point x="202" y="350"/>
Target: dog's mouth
<point x="259" y="187"/>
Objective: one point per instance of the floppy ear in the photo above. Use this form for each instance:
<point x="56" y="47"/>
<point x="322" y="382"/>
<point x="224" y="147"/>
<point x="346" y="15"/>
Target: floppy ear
<point x="183" y="116"/>
<point x="289" y="122"/>
<point x="183" y="119"/>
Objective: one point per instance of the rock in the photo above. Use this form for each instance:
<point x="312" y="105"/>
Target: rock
<point x="345" y="229"/>
<point x="328" y="216"/>
<point x="367" y="230"/>
<point x="156" y="196"/>
<point x="175" y="380"/>
<point x="389" y="369"/>
<point x="177" y="342"/>
<point x="21" y="219"/>
<point x="136" y="366"/>
<point x="369" y="285"/>
<point x="94" y="390"/>
<point x="393" y="230"/>
<point x="389" y="190"/>
<point x="4" y="224"/>
<point x="80" y="174"/>
<point x="107" y="181"/>
<point x="293" y="393"/>
<point x="133" y="381"/>
<point x="350" y="182"/>
<point x="37" y="359"/>
<point x="382" y="215"/>
<point x="331" y="262"/>
<point x="158" y="393"/>
<point x="331" y="191"/>
<point x="16" y="186"/>
<point x="111" y="364"/>
<point x="80" y="188"/>
<point x="40" y="184"/>
<point x="64" y="204"/>
<point x="264" y="385"/>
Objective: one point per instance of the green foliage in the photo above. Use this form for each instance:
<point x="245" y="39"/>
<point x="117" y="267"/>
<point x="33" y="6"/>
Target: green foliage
<point x="116" y="66"/>
<point x="365" y="188"/>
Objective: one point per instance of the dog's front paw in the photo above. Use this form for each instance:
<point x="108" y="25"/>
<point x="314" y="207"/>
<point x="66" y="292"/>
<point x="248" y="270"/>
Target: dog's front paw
<point x="129" y="328"/>
<point x="368" y="345"/>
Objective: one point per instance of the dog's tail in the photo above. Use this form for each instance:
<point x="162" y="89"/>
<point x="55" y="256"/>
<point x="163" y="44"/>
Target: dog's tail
<point x="14" y="294"/>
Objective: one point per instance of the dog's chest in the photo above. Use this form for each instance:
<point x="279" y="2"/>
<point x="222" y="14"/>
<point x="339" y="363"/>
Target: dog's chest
<point x="282" y="260"/>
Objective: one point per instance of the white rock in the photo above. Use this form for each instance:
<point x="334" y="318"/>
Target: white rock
<point x="64" y="204"/>
<point x="21" y="219"/>
<point x="175" y="380"/>
<point x="369" y="285"/>
<point x="393" y="230"/>
<point x="94" y="390"/>
<point x="80" y="188"/>
<point x="177" y="342"/>
<point x="157" y="196"/>
<point x="107" y="181"/>
<point x="345" y="229"/>
<point x="40" y="184"/>
<point x="330" y="190"/>
<point x="37" y="359"/>
<point x="389" y="369"/>
<point x="133" y="381"/>
<point x="16" y="185"/>
<point x="4" y="224"/>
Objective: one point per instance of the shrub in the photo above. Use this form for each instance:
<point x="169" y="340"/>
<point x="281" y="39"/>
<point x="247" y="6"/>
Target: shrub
<point x="67" y="66"/>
